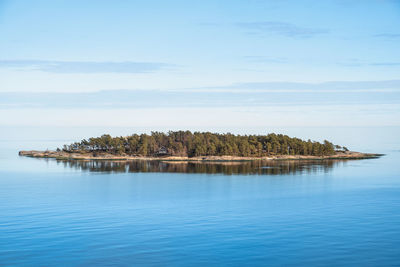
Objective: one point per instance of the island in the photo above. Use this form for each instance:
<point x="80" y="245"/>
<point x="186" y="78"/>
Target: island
<point x="199" y="146"/>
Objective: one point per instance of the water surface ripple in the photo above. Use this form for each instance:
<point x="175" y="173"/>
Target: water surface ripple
<point x="103" y="213"/>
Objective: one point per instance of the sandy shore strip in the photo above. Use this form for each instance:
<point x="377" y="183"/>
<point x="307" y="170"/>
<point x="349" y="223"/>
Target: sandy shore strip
<point x="61" y="155"/>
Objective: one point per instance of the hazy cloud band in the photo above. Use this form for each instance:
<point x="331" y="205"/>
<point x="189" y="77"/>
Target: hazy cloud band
<point x="84" y="66"/>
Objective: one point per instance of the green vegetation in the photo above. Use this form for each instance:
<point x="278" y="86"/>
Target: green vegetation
<point x="186" y="143"/>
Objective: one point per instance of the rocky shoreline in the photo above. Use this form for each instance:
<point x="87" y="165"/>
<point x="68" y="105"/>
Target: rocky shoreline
<point x="61" y="155"/>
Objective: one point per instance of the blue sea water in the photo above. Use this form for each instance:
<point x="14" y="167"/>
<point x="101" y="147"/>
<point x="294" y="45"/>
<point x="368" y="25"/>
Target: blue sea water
<point x="55" y="214"/>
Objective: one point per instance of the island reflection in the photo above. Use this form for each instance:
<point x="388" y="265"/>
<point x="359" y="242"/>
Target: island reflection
<point x="228" y="168"/>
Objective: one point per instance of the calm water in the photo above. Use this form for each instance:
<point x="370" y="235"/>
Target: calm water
<point x="114" y="213"/>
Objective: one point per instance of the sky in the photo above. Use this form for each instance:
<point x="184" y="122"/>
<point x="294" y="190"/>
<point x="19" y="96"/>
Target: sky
<point x="209" y="65"/>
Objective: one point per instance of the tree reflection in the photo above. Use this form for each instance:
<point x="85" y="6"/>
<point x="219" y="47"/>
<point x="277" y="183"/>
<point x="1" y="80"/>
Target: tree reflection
<point x="228" y="168"/>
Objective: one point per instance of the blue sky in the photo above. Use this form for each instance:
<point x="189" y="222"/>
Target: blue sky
<point x="201" y="64"/>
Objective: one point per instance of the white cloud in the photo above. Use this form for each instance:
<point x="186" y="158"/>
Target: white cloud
<point x="189" y="118"/>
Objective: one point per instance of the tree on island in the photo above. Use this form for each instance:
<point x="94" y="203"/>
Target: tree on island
<point x="186" y="143"/>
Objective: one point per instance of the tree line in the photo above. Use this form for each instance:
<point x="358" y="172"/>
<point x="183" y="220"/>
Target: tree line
<point x="186" y="143"/>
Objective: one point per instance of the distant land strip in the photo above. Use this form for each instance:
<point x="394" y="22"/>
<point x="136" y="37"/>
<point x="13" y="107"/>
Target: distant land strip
<point x="198" y="146"/>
